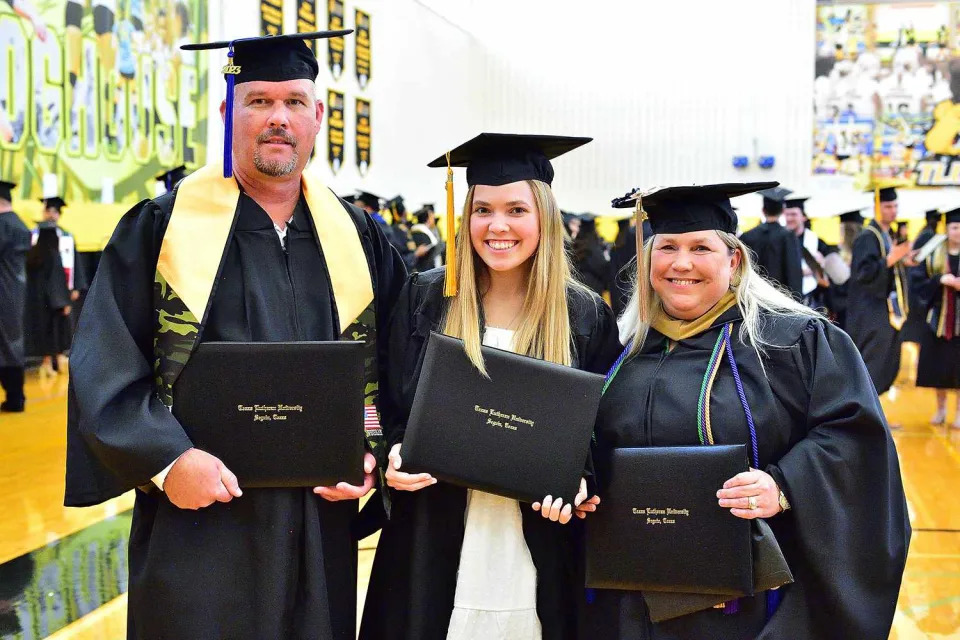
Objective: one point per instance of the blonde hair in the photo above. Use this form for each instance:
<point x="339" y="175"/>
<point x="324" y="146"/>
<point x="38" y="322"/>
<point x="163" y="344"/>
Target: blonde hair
<point x="756" y="297"/>
<point x="544" y="320"/>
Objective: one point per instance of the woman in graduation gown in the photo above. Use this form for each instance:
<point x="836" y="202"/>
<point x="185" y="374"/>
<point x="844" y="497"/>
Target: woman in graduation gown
<point x="936" y="284"/>
<point x="453" y="563"/>
<point x="48" y="299"/>
<point x="824" y="470"/>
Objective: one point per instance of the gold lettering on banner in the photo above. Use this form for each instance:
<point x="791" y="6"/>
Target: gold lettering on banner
<point x="271" y="17"/>
<point x="363" y="62"/>
<point x="502" y="419"/>
<point x="363" y="136"/>
<point x="335" y="46"/>
<point x="307" y="20"/>
<point x="335" y="130"/>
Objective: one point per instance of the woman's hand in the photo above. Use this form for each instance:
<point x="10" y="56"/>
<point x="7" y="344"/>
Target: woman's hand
<point x="556" y="511"/>
<point x="401" y="481"/>
<point x="751" y="488"/>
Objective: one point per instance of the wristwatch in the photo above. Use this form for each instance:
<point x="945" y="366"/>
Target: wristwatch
<point x="784" y="503"/>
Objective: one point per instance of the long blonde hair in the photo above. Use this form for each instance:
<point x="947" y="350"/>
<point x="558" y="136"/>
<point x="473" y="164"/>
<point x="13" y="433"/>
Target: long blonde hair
<point x="544" y="321"/>
<point x="756" y="298"/>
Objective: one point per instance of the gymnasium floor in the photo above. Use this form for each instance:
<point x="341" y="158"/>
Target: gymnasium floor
<point x="63" y="571"/>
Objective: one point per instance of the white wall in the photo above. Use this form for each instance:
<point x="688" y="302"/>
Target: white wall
<point x="670" y="90"/>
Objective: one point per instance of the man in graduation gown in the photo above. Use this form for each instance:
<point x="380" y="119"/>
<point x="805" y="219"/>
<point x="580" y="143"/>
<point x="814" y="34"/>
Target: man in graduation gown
<point x="877" y="302"/>
<point x="14" y="244"/>
<point x="776" y="249"/>
<point x="426" y="237"/>
<point x="821" y="265"/>
<point x="270" y="255"/>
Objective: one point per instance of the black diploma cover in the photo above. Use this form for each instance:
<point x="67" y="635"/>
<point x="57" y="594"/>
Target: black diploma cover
<point x="524" y="433"/>
<point x="660" y="528"/>
<point x="278" y="414"/>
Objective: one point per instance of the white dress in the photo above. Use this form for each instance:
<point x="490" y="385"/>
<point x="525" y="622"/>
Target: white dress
<point x="496" y="597"/>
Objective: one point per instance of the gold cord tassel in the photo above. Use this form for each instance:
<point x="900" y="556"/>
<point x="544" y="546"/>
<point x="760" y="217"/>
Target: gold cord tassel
<point x="876" y="203"/>
<point x="643" y="280"/>
<point x="450" y="281"/>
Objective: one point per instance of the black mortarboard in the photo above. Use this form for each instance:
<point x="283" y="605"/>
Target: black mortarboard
<point x="795" y="203"/>
<point x="396" y="205"/>
<point x="887" y="194"/>
<point x="691" y="208"/>
<point x="429" y="206"/>
<point x="56" y="202"/>
<point x="368" y="199"/>
<point x="933" y="215"/>
<point x="852" y="216"/>
<point x="263" y="58"/>
<point x="773" y="199"/>
<point x="6" y="189"/>
<point x="953" y="216"/>
<point x="495" y="159"/>
<point x="172" y="177"/>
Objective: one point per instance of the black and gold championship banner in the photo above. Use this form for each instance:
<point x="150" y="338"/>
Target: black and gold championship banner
<point x="363" y="48"/>
<point x="335" y="46"/>
<point x="307" y="20"/>
<point x="363" y="136"/>
<point x="335" y="126"/>
<point x="271" y="17"/>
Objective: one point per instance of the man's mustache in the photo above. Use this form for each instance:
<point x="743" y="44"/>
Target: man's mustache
<point x="277" y="133"/>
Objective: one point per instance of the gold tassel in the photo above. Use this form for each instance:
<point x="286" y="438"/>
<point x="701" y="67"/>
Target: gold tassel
<point x="643" y="281"/>
<point x="450" y="281"/>
<point x="876" y="204"/>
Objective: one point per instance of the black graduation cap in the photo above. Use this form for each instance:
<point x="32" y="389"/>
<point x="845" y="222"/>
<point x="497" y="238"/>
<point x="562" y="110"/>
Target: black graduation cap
<point x="396" y="205"/>
<point x="933" y="215"/>
<point x="172" y="177"/>
<point x="795" y="203"/>
<point x="56" y="202"/>
<point x="773" y="199"/>
<point x="852" y="216"/>
<point x="263" y="58"/>
<point x="887" y="194"/>
<point x="368" y="199"/>
<point x="6" y="189"/>
<point x="691" y="208"/>
<point x="495" y="159"/>
<point x="428" y="206"/>
<point x="953" y="216"/>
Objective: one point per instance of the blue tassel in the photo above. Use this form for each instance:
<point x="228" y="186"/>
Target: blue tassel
<point x="774" y="596"/>
<point x="228" y="121"/>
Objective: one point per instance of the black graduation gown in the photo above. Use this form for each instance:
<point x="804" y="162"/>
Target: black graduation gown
<point x="623" y="269"/>
<point x="591" y="263"/>
<point x="777" y="255"/>
<point x="868" y="319"/>
<point x="48" y="332"/>
<point x="426" y="261"/>
<point x="414" y="577"/>
<point x="821" y="435"/>
<point x="913" y="328"/>
<point x="14" y="244"/>
<point x="939" y="363"/>
<point x="274" y="563"/>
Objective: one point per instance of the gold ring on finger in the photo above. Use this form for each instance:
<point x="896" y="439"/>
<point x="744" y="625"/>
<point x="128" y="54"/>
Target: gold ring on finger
<point x="752" y="502"/>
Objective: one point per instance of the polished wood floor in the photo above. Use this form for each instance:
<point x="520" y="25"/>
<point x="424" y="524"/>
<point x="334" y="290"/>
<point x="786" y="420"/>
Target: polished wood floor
<point x="31" y="492"/>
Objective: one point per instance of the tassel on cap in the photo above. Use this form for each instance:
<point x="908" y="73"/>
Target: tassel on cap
<point x="876" y="203"/>
<point x="450" y="280"/>
<point x="230" y="73"/>
<point x="643" y="281"/>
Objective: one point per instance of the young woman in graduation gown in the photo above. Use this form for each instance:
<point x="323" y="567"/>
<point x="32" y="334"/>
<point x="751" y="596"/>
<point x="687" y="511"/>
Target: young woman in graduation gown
<point x="936" y="284"/>
<point x="457" y="563"/>
<point x="824" y="470"/>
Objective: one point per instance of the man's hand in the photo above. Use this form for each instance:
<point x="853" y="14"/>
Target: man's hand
<point x="74" y="295"/>
<point x="422" y="250"/>
<point x="198" y="479"/>
<point x="900" y="252"/>
<point x="66" y="310"/>
<point x="345" y="491"/>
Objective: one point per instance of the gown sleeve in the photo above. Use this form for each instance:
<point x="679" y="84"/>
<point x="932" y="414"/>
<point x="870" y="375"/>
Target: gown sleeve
<point x="403" y="355"/>
<point x="847" y="532"/>
<point x="925" y="284"/>
<point x="119" y="434"/>
<point x="868" y="267"/>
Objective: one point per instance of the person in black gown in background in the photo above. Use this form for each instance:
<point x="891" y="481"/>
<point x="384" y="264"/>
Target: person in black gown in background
<point x="824" y="469"/>
<point x="936" y="284"/>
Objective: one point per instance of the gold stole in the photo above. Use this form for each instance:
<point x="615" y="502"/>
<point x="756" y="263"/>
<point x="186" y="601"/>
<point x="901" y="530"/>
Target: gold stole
<point x="896" y="316"/>
<point x="677" y="330"/>
<point x="202" y="222"/>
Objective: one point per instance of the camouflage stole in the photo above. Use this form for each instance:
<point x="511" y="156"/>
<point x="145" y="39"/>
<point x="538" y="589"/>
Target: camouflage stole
<point x="187" y="269"/>
<point x="898" y="304"/>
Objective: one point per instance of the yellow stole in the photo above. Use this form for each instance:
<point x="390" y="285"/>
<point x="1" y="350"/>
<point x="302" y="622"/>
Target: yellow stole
<point x="677" y="330"/>
<point x="201" y="223"/>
